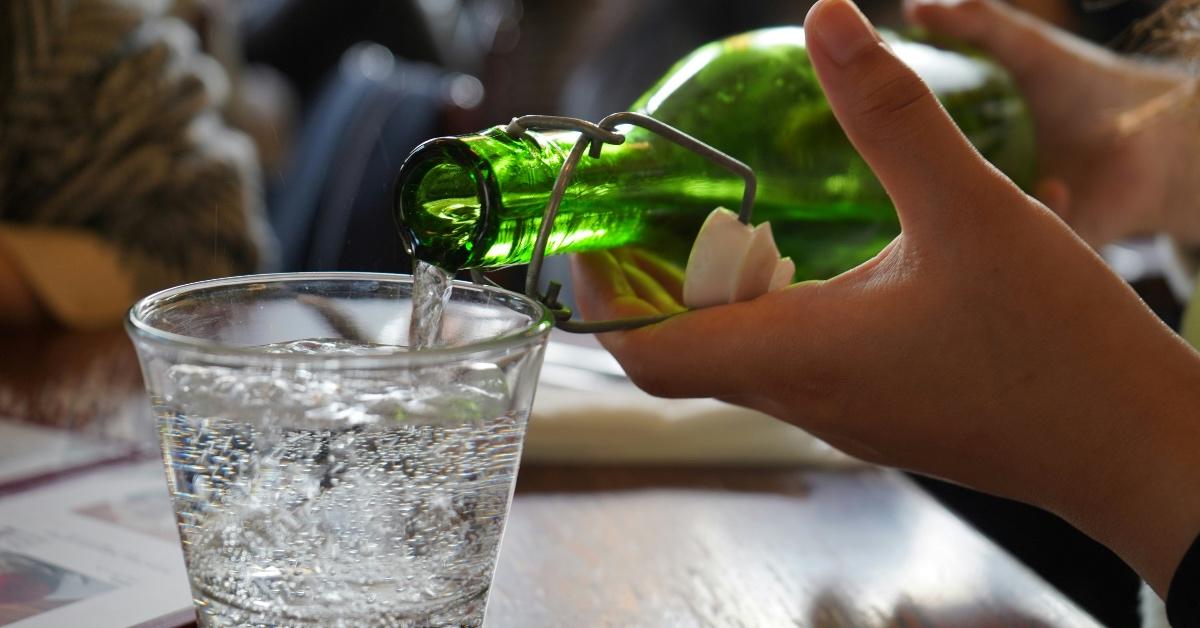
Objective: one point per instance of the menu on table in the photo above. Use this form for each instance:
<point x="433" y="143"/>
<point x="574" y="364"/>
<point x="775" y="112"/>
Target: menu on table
<point x="98" y="549"/>
<point x="31" y="454"/>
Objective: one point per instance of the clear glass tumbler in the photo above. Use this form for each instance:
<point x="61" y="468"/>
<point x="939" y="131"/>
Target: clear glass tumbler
<point x="321" y="473"/>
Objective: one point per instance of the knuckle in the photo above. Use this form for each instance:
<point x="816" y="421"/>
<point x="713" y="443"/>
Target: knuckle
<point x="891" y="106"/>
<point x="653" y="383"/>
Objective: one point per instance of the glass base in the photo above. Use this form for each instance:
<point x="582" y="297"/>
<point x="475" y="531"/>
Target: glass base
<point x="465" y="612"/>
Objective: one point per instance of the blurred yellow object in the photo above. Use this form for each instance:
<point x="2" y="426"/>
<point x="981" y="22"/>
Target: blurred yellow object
<point x="76" y="276"/>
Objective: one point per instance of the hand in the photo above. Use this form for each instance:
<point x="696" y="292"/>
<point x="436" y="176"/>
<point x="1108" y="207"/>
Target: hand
<point x="1117" y="138"/>
<point x="986" y="344"/>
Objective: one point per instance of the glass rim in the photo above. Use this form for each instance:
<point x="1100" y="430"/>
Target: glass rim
<point x="138" y="327"/>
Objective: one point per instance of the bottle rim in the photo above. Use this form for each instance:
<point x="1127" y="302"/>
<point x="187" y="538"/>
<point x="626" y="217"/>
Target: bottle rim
<point x="424" y="158"/>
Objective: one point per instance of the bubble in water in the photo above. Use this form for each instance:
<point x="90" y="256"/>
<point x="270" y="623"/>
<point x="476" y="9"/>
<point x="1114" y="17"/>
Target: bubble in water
<point x="360" y="498"/>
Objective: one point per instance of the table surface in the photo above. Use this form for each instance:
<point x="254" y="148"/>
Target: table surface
<point x="641" y="546"/>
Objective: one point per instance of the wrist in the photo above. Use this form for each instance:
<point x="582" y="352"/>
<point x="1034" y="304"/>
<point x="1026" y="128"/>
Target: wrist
<point x="1140" y="494"/>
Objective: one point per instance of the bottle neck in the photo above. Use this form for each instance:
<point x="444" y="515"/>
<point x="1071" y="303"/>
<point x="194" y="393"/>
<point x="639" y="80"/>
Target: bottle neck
<point x="476" y="201"/>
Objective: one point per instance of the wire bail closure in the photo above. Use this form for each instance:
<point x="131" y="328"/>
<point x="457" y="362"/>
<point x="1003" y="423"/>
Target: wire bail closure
<point x="593" y="137"/>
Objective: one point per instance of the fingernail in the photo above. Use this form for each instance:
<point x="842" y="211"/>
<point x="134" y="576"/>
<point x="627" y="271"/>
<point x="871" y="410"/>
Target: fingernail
<point x="842" y="30"/>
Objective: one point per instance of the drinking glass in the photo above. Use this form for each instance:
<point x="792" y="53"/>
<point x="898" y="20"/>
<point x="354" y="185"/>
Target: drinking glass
<point x="321" y="473"/>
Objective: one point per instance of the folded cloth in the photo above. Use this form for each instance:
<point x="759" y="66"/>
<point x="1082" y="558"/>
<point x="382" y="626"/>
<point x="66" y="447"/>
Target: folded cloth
<point x="587" y="411"/>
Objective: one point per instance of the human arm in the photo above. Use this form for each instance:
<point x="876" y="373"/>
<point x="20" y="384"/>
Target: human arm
<point x="1117" y="136"/>
<point x="987" y="344"/>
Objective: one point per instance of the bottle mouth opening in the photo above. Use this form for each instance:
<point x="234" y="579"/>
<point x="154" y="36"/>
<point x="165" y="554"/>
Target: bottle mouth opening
<point x="442" y="200"/>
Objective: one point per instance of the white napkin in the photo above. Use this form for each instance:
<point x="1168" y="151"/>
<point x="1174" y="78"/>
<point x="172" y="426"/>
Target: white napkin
<point x="587" y="411"/>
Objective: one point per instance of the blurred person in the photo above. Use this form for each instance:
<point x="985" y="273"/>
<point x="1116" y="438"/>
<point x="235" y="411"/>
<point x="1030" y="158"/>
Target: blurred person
<point x="262" y="102"/>
<point x="118" y="176"/>
<point x="305" y="39"/>
<point x="988" y="344"/>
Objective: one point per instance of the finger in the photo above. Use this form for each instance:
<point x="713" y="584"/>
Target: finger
<point x="1055" y="194"/>
<point x="665" y="273"/>
<point x="649" y="290"/>
<point x="701" y="353"/>
<point x="1019" y="41"/>
<point x="602" y="289"/>
<point x="922" y="159"/>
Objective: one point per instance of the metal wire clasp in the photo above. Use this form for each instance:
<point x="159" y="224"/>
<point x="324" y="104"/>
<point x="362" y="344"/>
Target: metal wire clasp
<point x="593" y="137"/>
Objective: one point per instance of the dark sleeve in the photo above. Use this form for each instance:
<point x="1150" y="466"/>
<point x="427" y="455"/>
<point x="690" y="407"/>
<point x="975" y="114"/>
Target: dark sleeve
<point x="1183" y="598"/>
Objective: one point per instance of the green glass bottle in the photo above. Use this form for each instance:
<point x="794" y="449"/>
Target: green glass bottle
<point x="476" y="201"/>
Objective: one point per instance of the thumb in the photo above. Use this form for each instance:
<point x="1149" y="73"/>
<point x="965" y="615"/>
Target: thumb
<point x="894" y="121"/>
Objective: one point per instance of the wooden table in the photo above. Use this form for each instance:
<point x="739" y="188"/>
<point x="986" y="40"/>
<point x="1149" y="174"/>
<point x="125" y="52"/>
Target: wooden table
<point x="623" y="546"/>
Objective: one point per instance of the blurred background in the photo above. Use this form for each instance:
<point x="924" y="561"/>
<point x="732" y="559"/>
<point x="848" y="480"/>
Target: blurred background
<point x="335" y="94"/>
